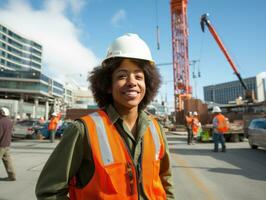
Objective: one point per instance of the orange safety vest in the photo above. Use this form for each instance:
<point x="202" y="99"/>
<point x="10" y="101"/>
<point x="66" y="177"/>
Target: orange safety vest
<point x="115" y="175"/>
<point x="222" y="126"/>
<point x="195" y="125"/>
<point x="53" y="124"/>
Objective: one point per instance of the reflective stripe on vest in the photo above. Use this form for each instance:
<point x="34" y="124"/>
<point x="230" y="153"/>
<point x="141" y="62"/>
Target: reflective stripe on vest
<point x="106" y="153"/>
<point x="115" y="175"/>
<point x="156" y="140"/>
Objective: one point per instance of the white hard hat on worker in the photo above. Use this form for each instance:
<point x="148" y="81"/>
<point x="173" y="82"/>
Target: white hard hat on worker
<point x="129" y="45"/>
<point x="54" y="114"/>
<point x="195" y="113"/>
<point x="4" y="111"/>
<point x="216" y="109"/>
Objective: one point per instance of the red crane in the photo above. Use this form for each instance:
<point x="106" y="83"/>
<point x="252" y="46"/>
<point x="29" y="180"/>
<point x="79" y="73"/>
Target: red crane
<point x="182" y="89"/>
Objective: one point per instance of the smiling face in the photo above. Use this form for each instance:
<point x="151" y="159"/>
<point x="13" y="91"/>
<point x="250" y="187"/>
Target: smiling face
<point x="128" y="86"/>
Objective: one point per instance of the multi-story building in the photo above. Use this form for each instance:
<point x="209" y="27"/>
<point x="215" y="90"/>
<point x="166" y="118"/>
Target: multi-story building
<point x="83" y="98"/>
<point x="19" y="53"/>
<point x="223" y="93"/>
<point x="21" y="78"/>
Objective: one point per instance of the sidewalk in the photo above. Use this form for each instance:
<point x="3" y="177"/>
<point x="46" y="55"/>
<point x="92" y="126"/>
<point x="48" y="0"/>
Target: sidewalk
<point x="177" y="132"/>
<point x="29" y="157"/>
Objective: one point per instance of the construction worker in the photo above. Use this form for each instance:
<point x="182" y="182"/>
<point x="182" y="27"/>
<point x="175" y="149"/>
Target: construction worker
<point x="18" y="118"/>
<point x="41" y="120"/>
<point x="52" y="127"/>
<point x="118" y="152"/>
<point x="189" y="119"/>
<point x="195" y="125"/>
<point x="220" y="126"/>
<point x="6" y="127"/>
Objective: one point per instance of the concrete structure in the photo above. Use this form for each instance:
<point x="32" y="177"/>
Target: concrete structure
<point x="24" y="89"/>
<point x="223" y="93"/>
<point x="21" y="79"/>
<point x="83" y="98"/>
<point x="77" y="96"/>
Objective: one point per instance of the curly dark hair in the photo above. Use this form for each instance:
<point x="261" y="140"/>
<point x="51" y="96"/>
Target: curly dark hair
<point x="101" y="81"/>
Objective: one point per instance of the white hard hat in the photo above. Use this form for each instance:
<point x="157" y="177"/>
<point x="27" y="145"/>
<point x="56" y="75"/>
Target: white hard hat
<point x="4" y="111"/>
<point x="195" y="113"/>
<point x="54" y="114"/>
<point x="216" y="109"/>
<point x="189" y="113"/>
<point x="129" y="45"/>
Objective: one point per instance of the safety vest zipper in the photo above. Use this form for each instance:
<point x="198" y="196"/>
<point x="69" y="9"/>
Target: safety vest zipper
<point x="141" y="159"/>
<point x="133" y="164"/>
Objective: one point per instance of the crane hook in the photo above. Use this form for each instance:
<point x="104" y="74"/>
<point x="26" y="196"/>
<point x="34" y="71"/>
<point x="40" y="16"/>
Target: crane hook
<point x="204" y="20"/>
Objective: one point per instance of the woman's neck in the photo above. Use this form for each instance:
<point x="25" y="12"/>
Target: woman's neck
<point x="129" y="117"/>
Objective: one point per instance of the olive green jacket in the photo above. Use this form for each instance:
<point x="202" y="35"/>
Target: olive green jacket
<point x="72" y="157"/>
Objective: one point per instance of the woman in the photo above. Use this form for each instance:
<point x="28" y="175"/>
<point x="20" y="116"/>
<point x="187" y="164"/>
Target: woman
<point x="118" y="152"/>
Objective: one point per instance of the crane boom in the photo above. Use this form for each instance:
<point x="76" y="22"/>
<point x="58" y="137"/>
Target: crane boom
<point x="205" y="21"/>
<point x="249" y="94"/>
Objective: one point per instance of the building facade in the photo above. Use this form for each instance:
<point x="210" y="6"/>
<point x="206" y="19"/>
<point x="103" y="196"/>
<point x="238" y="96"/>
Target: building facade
<point x="224" y="93"/>
<point x="19" y="53"/>
<point x="21" y="78"/>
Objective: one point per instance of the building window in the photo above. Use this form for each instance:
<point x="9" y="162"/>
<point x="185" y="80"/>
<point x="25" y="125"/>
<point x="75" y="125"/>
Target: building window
<point x="3" y="53"/>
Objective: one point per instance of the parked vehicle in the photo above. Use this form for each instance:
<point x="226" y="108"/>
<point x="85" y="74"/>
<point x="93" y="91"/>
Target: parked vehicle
<point x="24" y="128"/>
<point x="43" y="130"/>
<point x="257" y="133"/>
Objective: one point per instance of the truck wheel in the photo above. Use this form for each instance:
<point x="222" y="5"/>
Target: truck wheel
<point x="234" y="138"/>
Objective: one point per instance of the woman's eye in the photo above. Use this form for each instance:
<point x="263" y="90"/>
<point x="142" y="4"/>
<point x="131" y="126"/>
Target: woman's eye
<point x="121" y="76"/>
<point x="139" y="77"/>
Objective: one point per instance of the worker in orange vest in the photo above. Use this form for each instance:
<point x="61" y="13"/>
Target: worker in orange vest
<point x="189" y="119"/>
<point x="119" y="151"/>
<point x="195" y="125"/>
<point x="52" y="127"/>
<point x="220" y="126"/>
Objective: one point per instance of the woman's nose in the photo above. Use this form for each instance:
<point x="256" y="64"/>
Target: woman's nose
<point x="131" y="80"/>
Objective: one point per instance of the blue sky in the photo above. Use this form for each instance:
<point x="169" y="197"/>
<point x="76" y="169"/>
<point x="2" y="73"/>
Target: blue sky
<point x="84" y="29"/>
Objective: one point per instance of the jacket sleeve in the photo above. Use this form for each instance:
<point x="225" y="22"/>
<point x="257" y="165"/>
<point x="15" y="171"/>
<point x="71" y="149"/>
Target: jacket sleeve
<point x="166" y="171"/>
<point x="63" y="164"/>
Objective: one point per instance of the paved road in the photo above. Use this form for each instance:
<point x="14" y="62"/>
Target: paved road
<point x="29" y="157"/>
<point x="198" y="172"/>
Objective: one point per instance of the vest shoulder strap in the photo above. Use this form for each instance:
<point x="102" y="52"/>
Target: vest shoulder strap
<point x="100" y="133"/>
<point x="157" y="138"/>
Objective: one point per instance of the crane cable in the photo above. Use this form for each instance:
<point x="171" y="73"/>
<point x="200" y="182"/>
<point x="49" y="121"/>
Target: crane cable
<point x="157" y="26"/>
<point x="200" y="54"/>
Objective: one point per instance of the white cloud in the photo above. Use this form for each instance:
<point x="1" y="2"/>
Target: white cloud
<point x="77" y="5"/>
<point x="63" y="53"/>
<point x="118" y="17"/>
